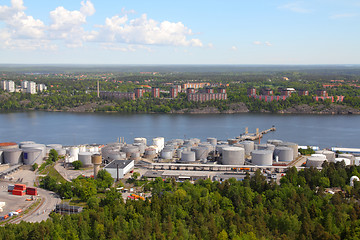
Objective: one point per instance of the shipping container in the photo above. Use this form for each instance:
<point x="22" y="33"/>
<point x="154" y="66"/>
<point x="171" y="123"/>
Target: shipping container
<point x="18" y="211"/>
<point x="18" y="192"/>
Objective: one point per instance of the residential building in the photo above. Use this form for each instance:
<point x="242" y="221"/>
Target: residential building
<point x="173" y="92"/>
<point x="155" y="92"/>
<point x="117" y="95"/>
<point x="202" y="97"/>
<point x="138" y="92"/>
<point x="251" y="91"/>
<point x="31" y="88"/>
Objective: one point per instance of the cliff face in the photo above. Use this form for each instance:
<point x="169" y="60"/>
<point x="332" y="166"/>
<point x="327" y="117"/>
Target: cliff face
<point x="321" y="109"/>
<point x="233" y="108"/>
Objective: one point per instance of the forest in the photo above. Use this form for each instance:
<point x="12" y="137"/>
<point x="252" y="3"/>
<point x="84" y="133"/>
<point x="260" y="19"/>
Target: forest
<point x="300" y="207"/>
<point x="69" y="91"/>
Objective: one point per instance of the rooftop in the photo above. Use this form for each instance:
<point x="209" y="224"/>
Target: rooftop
<point x="120" y="163"/>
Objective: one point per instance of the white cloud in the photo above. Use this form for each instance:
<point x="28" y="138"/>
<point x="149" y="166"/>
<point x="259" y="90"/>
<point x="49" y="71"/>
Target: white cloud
<point x="268" y="44"/>
<point x="210" y="45"/>
<point x="343" y="15"/>
<point x="68" y="27"/>
<point x="146" y="31"/>
<point x="295" y="7"/>
<point x="257" y="43"/>
<point x="234" y="48"/>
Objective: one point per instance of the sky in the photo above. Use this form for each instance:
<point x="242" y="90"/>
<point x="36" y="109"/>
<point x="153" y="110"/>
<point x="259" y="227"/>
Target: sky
<point x="179" y="32"/>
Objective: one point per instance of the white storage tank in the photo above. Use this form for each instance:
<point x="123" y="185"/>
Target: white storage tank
<point x="74" y="152"/>
<point x="346" y="161"/>
<point x="274" y="142"/>
<point x="294" y="146"/>
<point x="12" y="156"/>
<point x="140" y="140"/>
<point x="128" y="149"/>
<point x="233" y="156"/>
<point x="262" y="157"/>
<point x="347" y="155"/>
<point x="330" y="156"/>
<point x="85" y="158"/>
<point x="178" y="152"/>
<point x="265" y="146"/>
<point x="315" y="161"/>
<point x="31" y="156"/>
<point x="219" y="148"/>
<point x="54" y="146"/>
<point x="196" y="140"/>
<point x="1" y="156"/>
<point x="26" y="143"/>
<point x="135" y="156"/>
<point x="159" y="142"/>
<point x="189" y="142"/>
<point x="115" y="155"/>
<point x="212" y="141"/>
<point x="209" y="146"/>
<point x="356" y="162"/>
<point x="188" y="156"/>
<point x="284" y="154"/>
<point x="141" y="147"/>
<point x="201" y="153"/>
<point x="248" y="146"/>
<point x="42" y="147"/>
<point x="61" y="152"/>
<point x="167" y="154"/>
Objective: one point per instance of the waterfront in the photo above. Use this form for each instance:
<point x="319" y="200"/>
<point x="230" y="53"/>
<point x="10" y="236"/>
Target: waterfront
<point x="86" y="128"/>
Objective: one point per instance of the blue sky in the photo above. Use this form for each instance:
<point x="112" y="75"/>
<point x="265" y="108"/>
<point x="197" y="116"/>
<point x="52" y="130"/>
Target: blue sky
<point x="180" y="32"/>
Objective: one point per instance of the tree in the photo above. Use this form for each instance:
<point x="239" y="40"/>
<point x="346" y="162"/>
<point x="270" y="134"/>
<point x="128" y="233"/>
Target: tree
<point x="77" y="165"/>
<point x="135" y="175"/>
<point x="104" y="179"/>
<point x="53" y="155"/>
<point x="35" y="166"/>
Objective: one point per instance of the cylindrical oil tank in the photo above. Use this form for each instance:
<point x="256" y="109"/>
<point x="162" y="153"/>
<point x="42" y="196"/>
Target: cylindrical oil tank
<point x="54" y="146"/>
<point x="26" y="143"/>
<point x="74" y="152"/>
<point x="61" y="152"/>
<point x="219" y="148"/>
<point x="140" y="140"/>
<point x="330" y="155"/>
<point x="315" y="161"/>
<point x="141" y="147"/>
<point x="346" y="155"/>
<point x="318" y="155"/>
<point x="167" y="154"/>
<point x="85" y="158"/>
<point x="42" y="147"/>
<point x="179" y="152"/>
<point x="31" y="156"/>
<point x="274" y="142"/>
<point x="189" y="142"/>
<point x="262" y="157"/>
<point x="248" y="146"/>
<point x="135" y="156"/>
<point x="265" y="146"/>
<point x="12" y="156"/>
<point x="284" y="154"/>
<point x="209" y="146"/>
<point x="196" y="140"/>
<point x="82" y="148"/>
<point x="233" y="156"/>
<point x="201" y="153"/>
<point x="232" y="141"/>
<point x="212" y="141"/>
<point x="179" y="142"/>
<point x="8" y="145"/>
<point x="294" y="146"/>
<point x="128" y="149"/>
<point x="150" y="153"/>
<point x="159" y="142"/>
<point x="188" y="156"/>
<point x="115" y="155"/>
<point x="1" y="156"/>
<point x="346" y="160"/>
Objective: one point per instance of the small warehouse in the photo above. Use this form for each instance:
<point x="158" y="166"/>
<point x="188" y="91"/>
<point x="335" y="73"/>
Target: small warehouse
<point x="118" y="168"/>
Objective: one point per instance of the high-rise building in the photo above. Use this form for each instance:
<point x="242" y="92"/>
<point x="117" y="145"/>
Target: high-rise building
<point x="10" y="86"/>
<point x="138" y="92"/>
<point x="173" y="92"/>
<point x="3" y="85"/>
<point x="31" y="88"/>
<point x="155" y="92"/>
<point x="24" y="85"/>
<point x="251" y="91"/>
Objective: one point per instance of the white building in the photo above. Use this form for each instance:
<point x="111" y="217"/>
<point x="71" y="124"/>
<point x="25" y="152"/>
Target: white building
<point x="31" y="88"/>
<point x="24" y="85"/>
<point x="118" y="168"/>
<point x="41" y="87"/>
<point x="10" y="86"/>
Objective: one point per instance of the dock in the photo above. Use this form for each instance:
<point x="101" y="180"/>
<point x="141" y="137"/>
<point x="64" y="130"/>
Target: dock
<point x="254" y="136"/>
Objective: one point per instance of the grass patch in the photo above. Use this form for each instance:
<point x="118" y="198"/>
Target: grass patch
<point x="51" y="171"/>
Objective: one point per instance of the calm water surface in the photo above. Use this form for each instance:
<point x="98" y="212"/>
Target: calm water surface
<point x="87" y="128"/>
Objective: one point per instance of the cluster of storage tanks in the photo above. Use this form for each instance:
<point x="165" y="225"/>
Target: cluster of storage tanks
<point x="320" y="156"/>
<point x="82" y="153"/>
<point x="231" y="152"/>
<point x="27" y="152"/>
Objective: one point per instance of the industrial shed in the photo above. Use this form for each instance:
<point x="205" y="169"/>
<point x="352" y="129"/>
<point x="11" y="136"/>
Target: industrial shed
<point x="118" y="168"/>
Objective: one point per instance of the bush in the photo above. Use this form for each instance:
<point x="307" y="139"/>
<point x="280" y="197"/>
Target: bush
<point x="77" y="165"/>
<point x="35" y="166"/>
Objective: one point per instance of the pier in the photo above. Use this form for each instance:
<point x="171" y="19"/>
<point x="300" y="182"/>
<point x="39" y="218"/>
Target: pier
<point x="254" y="136"/>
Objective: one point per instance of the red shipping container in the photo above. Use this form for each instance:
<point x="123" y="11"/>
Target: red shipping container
<point x="20" y="187"/>
<point x="18" y="192"/>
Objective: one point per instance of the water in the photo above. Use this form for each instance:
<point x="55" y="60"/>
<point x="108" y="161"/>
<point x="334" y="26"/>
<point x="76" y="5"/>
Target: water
<point x="87" y="128"/>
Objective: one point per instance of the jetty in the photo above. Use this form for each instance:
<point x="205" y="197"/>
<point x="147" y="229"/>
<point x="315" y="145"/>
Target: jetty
<point x="254" y="136"/>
